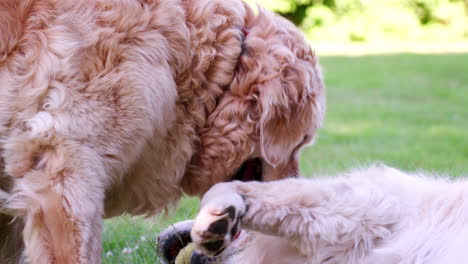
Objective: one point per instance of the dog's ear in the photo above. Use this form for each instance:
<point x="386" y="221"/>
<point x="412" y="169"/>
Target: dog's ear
<point x="273" y="143"/>
<point x="281" y="74"/>
<point x="282" y="121"/>
<point x="291" y="107"/>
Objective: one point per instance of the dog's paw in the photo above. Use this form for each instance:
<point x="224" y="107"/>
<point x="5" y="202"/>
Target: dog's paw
<point x="215" y="230"/>
<point x="218" y="221"/>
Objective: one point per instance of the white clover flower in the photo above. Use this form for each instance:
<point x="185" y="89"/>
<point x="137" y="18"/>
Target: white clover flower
<point x="143" y="238"/>
<point x="127" y="250"/>
<point x="109" y="254"/>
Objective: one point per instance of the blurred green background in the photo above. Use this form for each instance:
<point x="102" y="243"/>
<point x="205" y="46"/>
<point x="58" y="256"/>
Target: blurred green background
<point x="376" y="20"/>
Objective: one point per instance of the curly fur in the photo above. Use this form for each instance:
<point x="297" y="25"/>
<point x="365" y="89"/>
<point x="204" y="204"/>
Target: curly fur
<point x="119" y="106"/>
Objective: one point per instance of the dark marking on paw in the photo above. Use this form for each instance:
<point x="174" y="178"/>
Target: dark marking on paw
<point x="231" y="211"/>
<point x="214" y="246"/>
<point x="219" y="227"/>
<point x="235" y="229"/>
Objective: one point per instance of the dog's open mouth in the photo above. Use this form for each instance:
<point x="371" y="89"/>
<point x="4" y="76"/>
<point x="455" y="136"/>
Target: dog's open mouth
<point x="251" y="170"/>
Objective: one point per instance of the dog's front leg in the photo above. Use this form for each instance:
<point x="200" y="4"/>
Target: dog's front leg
<point x="327" y="219"/>
<point x="59" y="193"/>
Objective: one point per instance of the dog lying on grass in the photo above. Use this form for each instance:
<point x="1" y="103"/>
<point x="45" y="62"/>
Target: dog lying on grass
<point x="375" y="215"/>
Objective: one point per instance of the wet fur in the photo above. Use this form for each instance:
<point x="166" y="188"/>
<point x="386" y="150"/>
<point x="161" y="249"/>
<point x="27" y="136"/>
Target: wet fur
<point x="118" y="106"/>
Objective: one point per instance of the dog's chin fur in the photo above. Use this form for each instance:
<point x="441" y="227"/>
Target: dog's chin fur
<point x="119" y="106"/>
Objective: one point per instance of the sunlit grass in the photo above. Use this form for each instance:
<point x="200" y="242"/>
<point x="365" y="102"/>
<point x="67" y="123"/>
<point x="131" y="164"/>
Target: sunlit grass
<point x="132" y="239"/>
<point x="409" y="111"/>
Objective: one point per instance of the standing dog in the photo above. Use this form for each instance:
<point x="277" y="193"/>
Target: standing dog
<point x="375" y="215"/>
<point x="118" y="106"/>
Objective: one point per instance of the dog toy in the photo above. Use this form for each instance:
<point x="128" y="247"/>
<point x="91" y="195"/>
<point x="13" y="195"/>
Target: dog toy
<point x="185" y="254"/>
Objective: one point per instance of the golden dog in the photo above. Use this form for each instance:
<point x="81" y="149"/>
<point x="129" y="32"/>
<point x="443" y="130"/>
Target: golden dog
<point x="120" y="106"/>
<point x="375" y="215"/>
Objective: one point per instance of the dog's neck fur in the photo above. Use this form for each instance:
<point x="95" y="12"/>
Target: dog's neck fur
<point x="215" y="39"/>
<point x="217" y="35"/>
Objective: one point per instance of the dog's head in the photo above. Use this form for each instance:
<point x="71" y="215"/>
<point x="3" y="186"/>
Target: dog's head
<point x="273" y="107"/>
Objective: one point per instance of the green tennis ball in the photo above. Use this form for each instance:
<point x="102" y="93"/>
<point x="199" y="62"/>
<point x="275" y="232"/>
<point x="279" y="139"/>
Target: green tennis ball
<point x="184" y="254"/>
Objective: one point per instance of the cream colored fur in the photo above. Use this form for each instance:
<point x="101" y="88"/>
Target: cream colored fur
<point x="119" y="106"/>
<point x="367" y="216"/>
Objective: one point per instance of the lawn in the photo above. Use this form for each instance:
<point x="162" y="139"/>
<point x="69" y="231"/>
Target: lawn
<point x="408" y="111"/>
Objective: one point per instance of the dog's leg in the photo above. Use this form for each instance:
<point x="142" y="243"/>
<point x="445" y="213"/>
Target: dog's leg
<point x="325" y="217"/>
<point x="11" y="242"/>
<point x="60" y="197"/>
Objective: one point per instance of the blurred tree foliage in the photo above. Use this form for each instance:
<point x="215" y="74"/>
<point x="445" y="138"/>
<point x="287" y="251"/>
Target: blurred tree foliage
<point x="376" y="20"/>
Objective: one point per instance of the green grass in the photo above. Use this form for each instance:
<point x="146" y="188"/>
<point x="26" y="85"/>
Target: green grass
<point x="408" y="111"/>
<point x="131" y="240"/>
